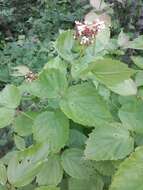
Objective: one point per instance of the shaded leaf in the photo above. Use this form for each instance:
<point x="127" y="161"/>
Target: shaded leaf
<point x="6" y="116"/>
<point x="137" y="43"/>
<point x="130" y="173"/>
<point x="19" y="142"/>
<point x="47" y="188"/>
<point x="110" y="142"/>
<point x="3" y="174"/>
<point x="131" y="115"/>
<point x="138" y="60"/>
<point x="76" y="166"/>
<point x="51" y="84"/>
<point x="10" y="96"/>
<point x="64" y="45"/>
<point x="125" y="88"/>
<point x="51" y="172"/>
<point x="23" y="123"/>
<point x="25" y="165"/>
<point x="51" y="128"/>
<point x="111" y="72"/>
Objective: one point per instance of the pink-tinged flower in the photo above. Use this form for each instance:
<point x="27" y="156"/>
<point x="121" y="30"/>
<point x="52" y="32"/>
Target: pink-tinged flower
<point x="87" y="31"/>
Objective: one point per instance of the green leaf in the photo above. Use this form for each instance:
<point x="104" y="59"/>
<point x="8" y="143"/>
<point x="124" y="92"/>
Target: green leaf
<point x="76" y="139"/>
<point x="75" y="165"/>
<point x="130" y="173"/>
<point x="27" y="187"/>
<point x="83" y="105"/>
<point x="3" y="174"/>
<point x="131" y="115"/>
<point x="23" y="123"/>
<point x="10" y="96"/>
<point x="139" y="139"/>
<point x="138" y="60"/>
<point x="57" y="63"/>
<point x="47" y="188"/>
<point x="105" y="168"/>
<point x="139" y="78"/>
<point x="51" y="84"/>
<point x="19" y="142"/>
<point x="4" y="188"/>
<point x="111" y="72"/>
<point x="6" y="158"/>
<point x="6" y="116"/>
<point x="51" y="172"/>
<point x="125" y="88"/>
<point x="95" y="183"/>
<point x="110" y="142"/>
<point x="52" y="128"/>
<point x="100" y="44"/>
<point x="64" y="45"/>
<point x="137" y="43"/>
<point x="25" y="165"/>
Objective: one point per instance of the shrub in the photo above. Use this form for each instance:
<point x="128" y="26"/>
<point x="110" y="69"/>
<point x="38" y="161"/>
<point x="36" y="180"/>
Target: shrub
<point x="78" y="123"/>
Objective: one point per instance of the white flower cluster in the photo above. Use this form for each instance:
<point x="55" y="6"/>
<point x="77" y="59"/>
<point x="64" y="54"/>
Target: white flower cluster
<point x="87" y="31"/>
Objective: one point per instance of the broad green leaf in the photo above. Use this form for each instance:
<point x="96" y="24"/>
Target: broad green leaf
<point x="47" y="188"/>
<point x="6" y="158"/>
<point x="6" y="116"/>
<point x="138" y="60"/>
<point x="131" y="115"/>
<point x="111" y="72"/>
<point x="10" y="96"/>
<point x="19" y="142"/>
<point x="25" y="165"/>
<point x="4" y="187"/>
<point x="125" y="88"/>
<point x="139" y="139"/>
<point x="52" y="127"/>
<point x="3" y="174"/>
<point x="110" y="142"/>
<point x="56" y="63"/>
<point x="80" y="66"/>
<point x="76" y="139"/>
<point x="95" y="183"/>
<point x="130" y="173"/>
<point x="139" y="78"/>
<point x="75" y="165"/>
<point x="105" y="168"/>
<point x="51" y="84"/>
<point x="140" y="92"/>
<point x="100" y="44"/>
<point x="103" y="91"/>
<point x="51" y="172"/>
<point x="27" y="187"/>
<point x="64" y="45"/>
<point x="83" y="105"/>
<point x="23" y="123"/>
<point x="137" y="43"/>
<point x="126" y="99"/>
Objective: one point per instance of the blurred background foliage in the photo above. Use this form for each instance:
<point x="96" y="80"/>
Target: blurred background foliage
<point x="29" y="27"/>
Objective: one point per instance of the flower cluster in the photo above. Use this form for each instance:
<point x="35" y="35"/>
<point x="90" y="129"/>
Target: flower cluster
<point x="87" y="31"/>
<point x="30" y="76"/>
